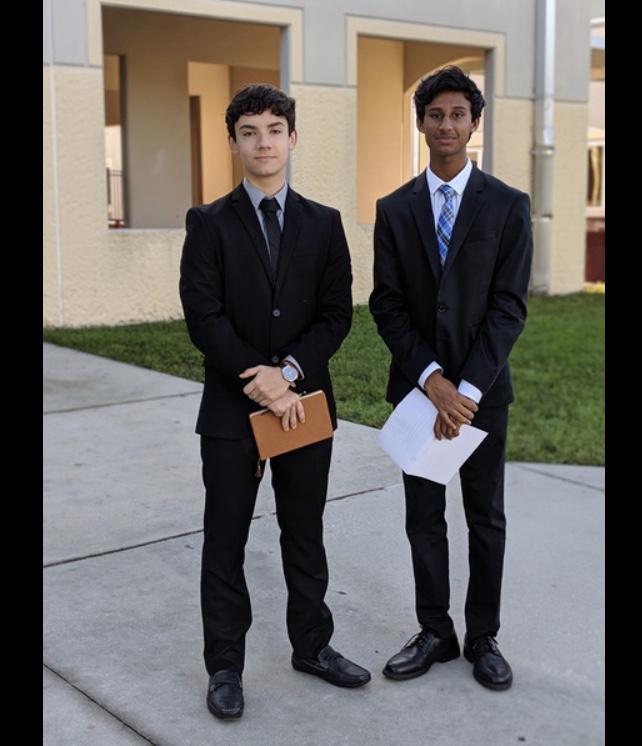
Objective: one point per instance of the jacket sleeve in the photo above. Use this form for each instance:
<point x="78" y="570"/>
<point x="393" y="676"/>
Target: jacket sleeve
<point x="201" y="290"/>
<point x="505" y="317"/>
<point x="333" y="309"/>
<point x="392" y="304"/>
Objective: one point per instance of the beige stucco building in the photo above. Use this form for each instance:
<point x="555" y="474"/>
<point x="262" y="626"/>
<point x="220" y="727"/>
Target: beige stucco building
<point x="134" y="93"/>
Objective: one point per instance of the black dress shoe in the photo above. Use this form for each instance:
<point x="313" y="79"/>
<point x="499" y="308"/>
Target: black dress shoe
<point x="419" y="653"/>
<point x="490" y="667"/>
<point x="225" y="695"/>
<point x="333" y="667"/>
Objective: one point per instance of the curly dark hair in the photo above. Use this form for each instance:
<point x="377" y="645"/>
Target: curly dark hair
<point x="449" y="78"/>
<point x="257" y="98"/>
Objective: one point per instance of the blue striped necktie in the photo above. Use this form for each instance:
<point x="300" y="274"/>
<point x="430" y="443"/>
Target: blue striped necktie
<point x="446" y="221"/>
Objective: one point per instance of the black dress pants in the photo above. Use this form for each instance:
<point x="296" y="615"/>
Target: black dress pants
<point x="482" y="486"/>
<point x="300" y="483"/>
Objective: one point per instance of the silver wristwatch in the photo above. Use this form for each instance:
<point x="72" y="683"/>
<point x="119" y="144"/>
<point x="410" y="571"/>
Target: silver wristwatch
<point x="289" y="372"/>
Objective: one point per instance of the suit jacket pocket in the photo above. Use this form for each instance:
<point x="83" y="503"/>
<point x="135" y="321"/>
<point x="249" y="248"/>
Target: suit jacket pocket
<point x="476" y="236"/>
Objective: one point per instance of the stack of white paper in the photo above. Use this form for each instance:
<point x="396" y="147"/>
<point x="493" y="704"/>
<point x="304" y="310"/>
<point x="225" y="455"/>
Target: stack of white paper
<point x="408" y="437"/>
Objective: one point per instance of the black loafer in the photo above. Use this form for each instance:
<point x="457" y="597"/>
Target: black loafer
<point x="419" y="653"/>
<point x="332" y="667"/>
<point x="225" y="695"/>
<point x="490" y="668"/>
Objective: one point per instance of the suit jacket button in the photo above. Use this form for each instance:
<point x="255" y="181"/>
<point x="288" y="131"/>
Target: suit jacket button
<point x="275" y="359"/>
<point x="276" y="313"/>
<point x="441" y="307"/>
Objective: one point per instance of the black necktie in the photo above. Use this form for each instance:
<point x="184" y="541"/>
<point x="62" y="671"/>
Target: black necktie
<point x="273" y="229"/>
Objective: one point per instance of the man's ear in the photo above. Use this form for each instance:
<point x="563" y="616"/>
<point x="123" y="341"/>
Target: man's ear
<point x="420" y="124"/>
<point x="473" y="128"/>
<point x="293" y="138"/>
<point x="233" y="146"/>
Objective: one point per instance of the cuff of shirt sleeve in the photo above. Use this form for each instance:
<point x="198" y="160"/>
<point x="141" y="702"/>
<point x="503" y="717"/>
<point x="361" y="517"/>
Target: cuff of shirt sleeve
<point x="429" y="371"/>
<point x="472" y="392"/>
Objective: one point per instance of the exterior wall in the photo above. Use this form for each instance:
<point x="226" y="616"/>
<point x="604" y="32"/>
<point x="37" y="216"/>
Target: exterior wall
<point x="380" y="138"/>
<point x="324" y="166"/>
<point x="75" y="199"/>
<point x="512" y="142"/>
<point x="212" y="84"/>
<point x="93" y="275"/>
<point x="50" y="268"/>
<point x="568" y="254"/>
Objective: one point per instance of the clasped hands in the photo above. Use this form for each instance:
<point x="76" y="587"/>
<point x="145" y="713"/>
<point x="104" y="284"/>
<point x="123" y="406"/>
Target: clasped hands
<point x="453" y="409"/>
<point x="268" y="388"/>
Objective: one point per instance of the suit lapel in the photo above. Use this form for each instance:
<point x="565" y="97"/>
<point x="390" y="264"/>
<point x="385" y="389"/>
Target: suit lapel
<point x="291" y="228"/>
<point x="244" y="209"/>
<point x="421" y="207"/>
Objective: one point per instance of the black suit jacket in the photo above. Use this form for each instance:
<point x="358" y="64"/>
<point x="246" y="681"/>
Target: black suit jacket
<point x="238" y="317"/>
<point x="468" y="315"/>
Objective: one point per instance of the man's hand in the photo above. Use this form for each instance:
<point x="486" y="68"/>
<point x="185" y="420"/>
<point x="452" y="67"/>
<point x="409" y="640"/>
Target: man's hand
<point x="290" y="409"/>
<point x="453" y="409"/>
<point x="267" y="384"/>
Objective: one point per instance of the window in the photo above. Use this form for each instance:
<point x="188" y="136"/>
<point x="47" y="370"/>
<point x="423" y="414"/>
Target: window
<point x="595" y="195"/>
<point x="113" y="141"/>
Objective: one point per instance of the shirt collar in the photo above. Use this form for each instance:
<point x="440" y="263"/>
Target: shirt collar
<point x="256" y="195"/>
<point x="458" y="183"/>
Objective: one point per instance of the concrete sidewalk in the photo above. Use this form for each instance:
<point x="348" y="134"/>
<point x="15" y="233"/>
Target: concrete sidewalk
<point x="122" y="642"/>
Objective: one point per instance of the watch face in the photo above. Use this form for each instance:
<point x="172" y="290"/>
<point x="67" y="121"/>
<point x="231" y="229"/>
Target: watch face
<point x="289" y="373"/>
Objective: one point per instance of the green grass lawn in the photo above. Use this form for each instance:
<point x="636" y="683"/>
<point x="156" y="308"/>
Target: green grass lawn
<point x="557" y="365"/>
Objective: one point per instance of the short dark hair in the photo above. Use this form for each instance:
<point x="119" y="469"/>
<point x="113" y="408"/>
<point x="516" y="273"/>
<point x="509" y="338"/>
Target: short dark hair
<point x="449" y="78"/>
<point x="257" y="98"/>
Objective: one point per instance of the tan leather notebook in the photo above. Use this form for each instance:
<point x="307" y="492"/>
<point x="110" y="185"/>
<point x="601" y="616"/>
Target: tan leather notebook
<point x="272" y="439"/>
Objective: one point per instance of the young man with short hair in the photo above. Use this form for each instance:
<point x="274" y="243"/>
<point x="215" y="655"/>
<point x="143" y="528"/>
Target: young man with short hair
<point x="267" y="311"/>
<point x="452" y="259"/>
